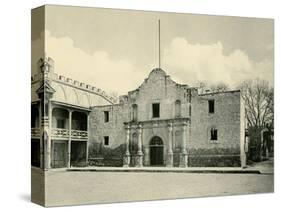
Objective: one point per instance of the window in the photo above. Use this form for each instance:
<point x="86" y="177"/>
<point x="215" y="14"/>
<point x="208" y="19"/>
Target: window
<point x="106" y="140"/>
<point x="211" y="106"/>
<point x="60" y="123"/>
<point x="178" y="108"/>
<point x="214" y="134"/>
<point x="106" y="116"/>
<point x="135" y="112"/>
<point x="155" y="110"/>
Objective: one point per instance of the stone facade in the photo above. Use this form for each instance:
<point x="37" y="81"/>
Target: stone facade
<point x="163" y="123"/>
<point x="228" y="119"/>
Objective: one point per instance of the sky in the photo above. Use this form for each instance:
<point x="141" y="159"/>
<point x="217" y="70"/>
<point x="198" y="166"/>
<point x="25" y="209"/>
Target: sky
<point x="115" y="50"/>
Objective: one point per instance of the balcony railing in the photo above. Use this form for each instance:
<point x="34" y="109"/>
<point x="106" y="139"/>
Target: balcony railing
<point x="64" y="133"/>
<point x="35" y="132"/>
<point x="60" y="133"/>
<point x="79" y="134"/>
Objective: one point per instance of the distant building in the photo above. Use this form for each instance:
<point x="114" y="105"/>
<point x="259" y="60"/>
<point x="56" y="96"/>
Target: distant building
<point x="163" y="123"/>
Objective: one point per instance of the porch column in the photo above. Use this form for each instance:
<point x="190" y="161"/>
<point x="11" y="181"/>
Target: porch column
<point x="44" y="135"/>
<point x="41" y="126"/>
<point x="126" y="158"/>
<point x="169" y="162"/>
<point x="87" y="145"/>
<point x="183" y="155"/>
<point x="139" y="158"/>
<point x="48" y="128"/>
<point x="69" y="138"/>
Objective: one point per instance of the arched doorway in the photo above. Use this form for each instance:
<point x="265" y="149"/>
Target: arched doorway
<point x="156" y="151"/>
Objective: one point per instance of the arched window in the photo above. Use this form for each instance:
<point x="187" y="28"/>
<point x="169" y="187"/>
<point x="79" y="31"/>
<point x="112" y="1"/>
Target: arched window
<point x="178" y="108"/>
<point x="135" y="112"/>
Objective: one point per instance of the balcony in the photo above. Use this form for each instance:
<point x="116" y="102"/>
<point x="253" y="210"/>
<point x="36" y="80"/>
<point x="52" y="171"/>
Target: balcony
<point x="60" y="133"/>
<point x="64" y="133"/>
<point x="35" y="132"/>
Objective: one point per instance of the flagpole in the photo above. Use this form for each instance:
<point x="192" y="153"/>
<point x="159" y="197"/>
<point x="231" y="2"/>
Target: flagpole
<point x="159" y="46"/>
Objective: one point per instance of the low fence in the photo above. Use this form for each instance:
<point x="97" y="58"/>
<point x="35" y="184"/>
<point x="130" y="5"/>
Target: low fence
<point x="110" y="162"/>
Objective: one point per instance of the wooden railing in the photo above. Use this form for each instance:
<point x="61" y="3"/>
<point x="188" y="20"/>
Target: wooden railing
<point x="79" y="134"/>
<point x="60" y="133"/>
<point x="64" y="133"/>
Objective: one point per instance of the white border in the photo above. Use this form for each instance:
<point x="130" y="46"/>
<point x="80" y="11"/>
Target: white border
<point x="15" y="102"/>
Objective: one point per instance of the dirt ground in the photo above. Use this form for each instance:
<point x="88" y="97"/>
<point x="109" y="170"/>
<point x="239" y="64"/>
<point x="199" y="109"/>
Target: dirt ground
<point x="71" y="188"/>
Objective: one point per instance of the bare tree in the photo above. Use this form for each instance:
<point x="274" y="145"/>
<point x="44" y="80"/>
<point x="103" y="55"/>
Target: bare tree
<point x="258" y="97"/>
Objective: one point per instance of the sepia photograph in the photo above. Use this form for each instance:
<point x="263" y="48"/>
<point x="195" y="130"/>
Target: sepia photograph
<point x="130" y="105"/>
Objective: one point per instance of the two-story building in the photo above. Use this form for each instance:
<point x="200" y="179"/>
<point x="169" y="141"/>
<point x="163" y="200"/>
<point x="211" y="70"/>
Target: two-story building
<point x="60" y="117"/>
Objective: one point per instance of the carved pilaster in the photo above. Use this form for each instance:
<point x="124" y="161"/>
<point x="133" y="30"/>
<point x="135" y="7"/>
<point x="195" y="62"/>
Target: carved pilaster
<point x="147" y="156"/>
<point x="183" y="154"/>
<point x="169" y="161"/>
<point x="139" y="158"/>
<point x="127" y="157"/>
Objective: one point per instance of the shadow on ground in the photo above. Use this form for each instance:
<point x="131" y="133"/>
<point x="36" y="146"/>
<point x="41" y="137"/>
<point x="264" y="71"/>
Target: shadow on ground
<point x="25" y="197"/>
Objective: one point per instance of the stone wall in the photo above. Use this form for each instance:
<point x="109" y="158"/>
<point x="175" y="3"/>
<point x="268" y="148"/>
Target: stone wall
<point x="228" y="119"/>
<point x="159" y="88"/>
<point x="225" y="151"/>
<point x="114" y="128"/>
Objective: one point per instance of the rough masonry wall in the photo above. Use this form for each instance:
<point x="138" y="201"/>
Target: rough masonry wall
<point x="226" y="119"/>
<point x="159" y="88"/>
<point x="114" y="128"/>
<point x="111" y="154"/>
